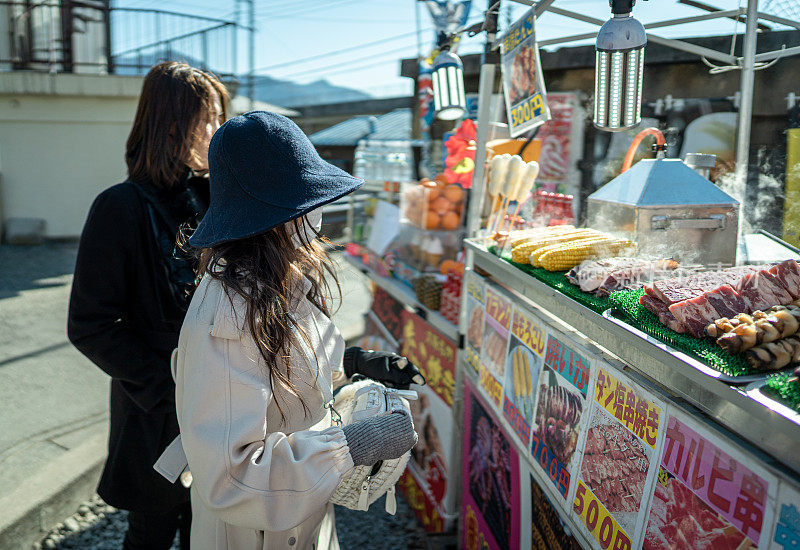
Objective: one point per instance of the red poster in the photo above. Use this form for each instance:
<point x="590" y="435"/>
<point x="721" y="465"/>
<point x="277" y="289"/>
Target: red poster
<point x="490" y="478"/>
<point x="432" y="352"/>
<point x="389" y="311"/>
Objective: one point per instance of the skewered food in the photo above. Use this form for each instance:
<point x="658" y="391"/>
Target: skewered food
<point x="745" y="331"/>
<point x="775" y="355"/>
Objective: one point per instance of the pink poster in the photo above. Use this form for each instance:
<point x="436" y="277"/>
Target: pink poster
<point x="706" y="492"/>
<point x="490" y="477"/>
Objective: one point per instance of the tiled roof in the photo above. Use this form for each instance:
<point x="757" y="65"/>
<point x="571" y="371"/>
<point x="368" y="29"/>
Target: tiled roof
<point x="394" y="125"/>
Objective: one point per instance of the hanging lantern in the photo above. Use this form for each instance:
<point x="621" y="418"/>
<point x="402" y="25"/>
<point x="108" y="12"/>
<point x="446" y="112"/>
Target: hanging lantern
<point x="449" y="102"/>
<point x="618" y="71"/>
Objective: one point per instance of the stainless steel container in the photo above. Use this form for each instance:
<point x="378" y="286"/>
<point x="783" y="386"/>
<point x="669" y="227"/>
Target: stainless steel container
<point x="669" y="210"/>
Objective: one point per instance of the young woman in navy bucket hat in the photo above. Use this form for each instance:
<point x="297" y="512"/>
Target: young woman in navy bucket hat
<point x="258" y="357"/>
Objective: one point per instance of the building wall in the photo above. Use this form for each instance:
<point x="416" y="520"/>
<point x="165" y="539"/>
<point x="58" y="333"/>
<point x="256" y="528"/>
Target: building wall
<point x="58" y="150"/>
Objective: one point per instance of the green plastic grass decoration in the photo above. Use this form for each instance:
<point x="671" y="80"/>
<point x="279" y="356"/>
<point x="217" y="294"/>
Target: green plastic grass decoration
<point x="558" y="280"/>
<point x="705" y="350"/>
<point x="784" y="390"/>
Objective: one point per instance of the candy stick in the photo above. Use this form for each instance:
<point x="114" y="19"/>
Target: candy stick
<point x="516" y="166"/>
<point x="498" y="168"/>
<point x="527" y="182"/>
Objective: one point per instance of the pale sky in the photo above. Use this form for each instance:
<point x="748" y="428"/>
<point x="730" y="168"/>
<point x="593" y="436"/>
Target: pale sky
<point x="289" y="31"/>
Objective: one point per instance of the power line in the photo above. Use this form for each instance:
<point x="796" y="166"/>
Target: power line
<point x="307" y="9"/>
<point x="348" y="63"/>
<point x="337" y="52"/>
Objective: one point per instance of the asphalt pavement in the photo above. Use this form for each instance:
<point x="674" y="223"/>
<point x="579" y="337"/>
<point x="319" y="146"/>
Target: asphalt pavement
<point x="52" y="399"/>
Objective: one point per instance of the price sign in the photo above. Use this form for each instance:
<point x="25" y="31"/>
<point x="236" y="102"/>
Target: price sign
<point x="523" y="85"/>
<point x="598" y="521"/>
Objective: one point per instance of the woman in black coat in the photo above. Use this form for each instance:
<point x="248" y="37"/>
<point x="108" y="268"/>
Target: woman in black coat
<point x="132" y="288"/>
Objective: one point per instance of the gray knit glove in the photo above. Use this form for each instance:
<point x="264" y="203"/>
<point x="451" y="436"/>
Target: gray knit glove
<point x="380" y="438"/>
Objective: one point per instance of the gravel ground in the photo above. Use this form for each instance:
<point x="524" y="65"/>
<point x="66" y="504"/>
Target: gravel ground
<point x="98" y="526"/>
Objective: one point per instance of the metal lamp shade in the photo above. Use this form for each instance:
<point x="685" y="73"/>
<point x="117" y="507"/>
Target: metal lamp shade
<point x="618" y="74"/>
<point x="449" y="101"/>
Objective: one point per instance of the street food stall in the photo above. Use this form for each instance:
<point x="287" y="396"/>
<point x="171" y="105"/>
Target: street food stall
<point x="623" y="382"/>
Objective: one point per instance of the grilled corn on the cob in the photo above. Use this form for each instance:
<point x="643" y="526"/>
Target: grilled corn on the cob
<point x="521" y="253"/>
<point x="536" y="255"/>
<point x="571" y="254"/>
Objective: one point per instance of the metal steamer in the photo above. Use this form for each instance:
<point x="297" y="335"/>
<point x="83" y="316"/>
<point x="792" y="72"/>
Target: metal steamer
<point x="669" y="210"/>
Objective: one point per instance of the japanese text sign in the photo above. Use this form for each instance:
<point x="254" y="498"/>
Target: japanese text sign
<point x="787" y="525"/>
<point x="623" y="402"/>
<point x="526" y="100"/>
<point x="498" y="310"/>
<point x="389" y="311"/>
<point x="716" y="478"/>
<point x="432" y="352"/>
<point x="569" y="364"/>
<point x="527" y="331"/>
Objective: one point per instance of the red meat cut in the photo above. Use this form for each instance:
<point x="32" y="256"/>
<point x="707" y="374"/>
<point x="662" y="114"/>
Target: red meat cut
<point x="695" y="314"/>
<point x="762" y="290"/>
<point x="727" y="301"/>
<point x="788" y="273"/>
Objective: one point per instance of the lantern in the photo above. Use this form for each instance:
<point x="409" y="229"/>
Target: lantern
<point x="618" y="71"/>
<point x="449" y="102"/>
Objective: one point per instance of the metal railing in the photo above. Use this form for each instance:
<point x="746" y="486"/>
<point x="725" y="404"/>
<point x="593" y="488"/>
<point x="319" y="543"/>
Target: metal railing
<point x="89" y="36"/>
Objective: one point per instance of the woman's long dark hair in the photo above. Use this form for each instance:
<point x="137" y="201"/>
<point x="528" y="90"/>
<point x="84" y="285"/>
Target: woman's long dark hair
<point x="259" y="269"/>
<point x="175" y="98"/>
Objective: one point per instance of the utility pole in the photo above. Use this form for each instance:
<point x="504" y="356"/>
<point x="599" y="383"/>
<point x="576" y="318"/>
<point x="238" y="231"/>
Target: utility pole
<point x="251" y="77"/>
<point x="237" y="20"/>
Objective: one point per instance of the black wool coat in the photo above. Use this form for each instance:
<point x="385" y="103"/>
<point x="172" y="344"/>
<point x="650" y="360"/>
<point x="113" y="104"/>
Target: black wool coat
<point x="125" y="314"/>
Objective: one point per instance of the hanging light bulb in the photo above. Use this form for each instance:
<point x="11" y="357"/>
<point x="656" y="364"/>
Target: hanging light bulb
<point x="449" y="102"/>
<point x="618" y="70"/>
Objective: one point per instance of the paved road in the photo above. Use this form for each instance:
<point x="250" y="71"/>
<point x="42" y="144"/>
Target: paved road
<point x="50" y="395"/>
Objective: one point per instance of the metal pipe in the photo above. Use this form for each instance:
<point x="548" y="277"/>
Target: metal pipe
<point x="746" y="90"/>
<point x="776" y="54"/>
<point x="251" y="75"/>
<point x="485" y="88"/>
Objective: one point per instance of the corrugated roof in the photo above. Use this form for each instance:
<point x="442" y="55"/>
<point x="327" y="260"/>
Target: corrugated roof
<point x="394" y="125"/>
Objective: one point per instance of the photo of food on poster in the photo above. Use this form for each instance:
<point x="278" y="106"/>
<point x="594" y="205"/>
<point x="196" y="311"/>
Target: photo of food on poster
<point x="433" y="421"/>
<point x="556" y="135"/>
<point x="474" y="287"/>
<point x="707" y="492"/>
<point x="389" y="311"/>
<point x="787" y="519"/>
<point x="523" y="84"/>
<point x="432" y="352"/>
<point x="619" y="463"/>
<point x="523" y="363"/>
<point x="496" y="328"/>
<point x="490" y="478"/>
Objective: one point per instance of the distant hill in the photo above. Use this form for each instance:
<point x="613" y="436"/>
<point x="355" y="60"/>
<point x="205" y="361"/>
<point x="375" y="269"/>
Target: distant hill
<point x="268" y="89"/>
<point x="292" y="94"/>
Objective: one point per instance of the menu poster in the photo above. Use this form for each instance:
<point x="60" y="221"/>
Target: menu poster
<point x="496" y="328"/>
<point x="707" y="492"/>
<point x="474" y="286"/>
<point x="556" y="135"/>
<point x="425" y="481"/>
<point x="432" y="352"/>
<point x="523" y="84"/>
<point x="389" y="311"/>
<point x="490" y="478"/>
<point x="787" y="522"/>
<point x="560" y="412"/>
<point x="523" y="363"/>
<point x="620" y="461"/>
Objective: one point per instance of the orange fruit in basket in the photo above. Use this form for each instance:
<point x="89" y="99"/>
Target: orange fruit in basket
<point x="441" y="206"/>
<point x="430" y="190"/>
<point x="454" y="193"/>
<point x="450" y="221"/>
<point x="431" y="220"/>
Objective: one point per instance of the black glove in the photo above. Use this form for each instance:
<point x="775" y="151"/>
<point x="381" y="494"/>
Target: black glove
<point x="395" y="371"/>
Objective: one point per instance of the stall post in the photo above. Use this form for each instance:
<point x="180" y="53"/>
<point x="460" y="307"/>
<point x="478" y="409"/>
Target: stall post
<point x="746" y="89"/>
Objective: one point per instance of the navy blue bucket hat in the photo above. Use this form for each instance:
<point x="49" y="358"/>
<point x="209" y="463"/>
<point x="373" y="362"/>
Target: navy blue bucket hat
<point x="264" y="172"/>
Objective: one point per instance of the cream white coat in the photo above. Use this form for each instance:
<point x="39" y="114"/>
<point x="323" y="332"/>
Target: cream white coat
<point x="258" y="482"/>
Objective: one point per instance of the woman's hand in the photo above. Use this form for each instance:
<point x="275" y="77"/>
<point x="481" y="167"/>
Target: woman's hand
<point x="392" y="370"/>
<point x="383" y="437"/>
